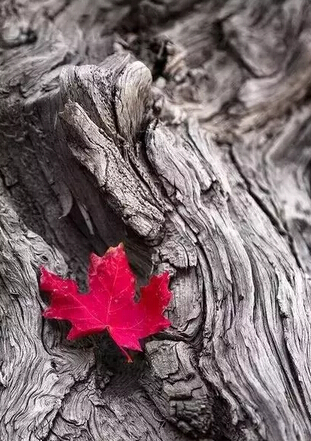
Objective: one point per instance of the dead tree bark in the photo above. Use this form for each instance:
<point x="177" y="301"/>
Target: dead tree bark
<point x="182" y="129"/>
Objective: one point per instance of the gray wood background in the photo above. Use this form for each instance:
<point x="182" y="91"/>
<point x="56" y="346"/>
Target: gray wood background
<point x="183" y="129"/>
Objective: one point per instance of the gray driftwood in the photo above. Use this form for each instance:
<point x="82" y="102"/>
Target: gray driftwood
<point x="181" y="128"/>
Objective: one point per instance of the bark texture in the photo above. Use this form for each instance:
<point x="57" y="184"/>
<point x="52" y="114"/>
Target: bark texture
<point x="181" y="128"/>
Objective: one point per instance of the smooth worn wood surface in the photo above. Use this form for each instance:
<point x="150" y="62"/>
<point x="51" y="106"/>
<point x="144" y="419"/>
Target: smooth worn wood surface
<point x="181" y="128"/>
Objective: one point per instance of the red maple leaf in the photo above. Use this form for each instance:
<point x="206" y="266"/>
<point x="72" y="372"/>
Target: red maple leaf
<point x="110" y="302"/>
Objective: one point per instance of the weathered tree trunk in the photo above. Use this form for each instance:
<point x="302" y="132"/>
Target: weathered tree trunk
<point x="183" y="129"/>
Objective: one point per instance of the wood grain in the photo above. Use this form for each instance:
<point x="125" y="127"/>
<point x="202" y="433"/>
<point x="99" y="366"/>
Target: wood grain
<point x="183" y="130"/>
